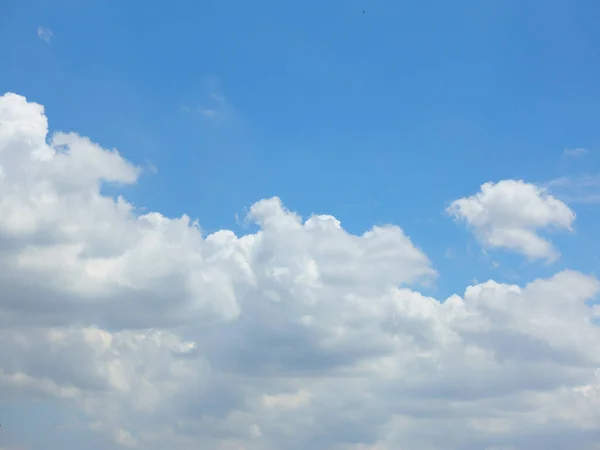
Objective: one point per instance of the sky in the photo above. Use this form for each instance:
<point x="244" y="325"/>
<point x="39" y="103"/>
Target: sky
<point x="347" y="225"/>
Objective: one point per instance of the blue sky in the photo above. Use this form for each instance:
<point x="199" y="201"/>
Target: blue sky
<point x="375" y="118"/>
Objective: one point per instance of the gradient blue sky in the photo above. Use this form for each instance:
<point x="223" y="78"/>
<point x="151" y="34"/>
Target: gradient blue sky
<point x="384" y="117"/>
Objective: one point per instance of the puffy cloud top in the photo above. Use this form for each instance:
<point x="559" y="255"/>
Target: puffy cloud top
<point x="508" y="214"/>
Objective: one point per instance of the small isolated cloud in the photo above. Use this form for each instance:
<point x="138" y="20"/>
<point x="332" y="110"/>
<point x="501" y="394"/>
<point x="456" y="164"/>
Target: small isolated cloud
<point x="510" y="213"/>
<point x="207" y="112"/>
<point x="449" y="253"/>
<point x="214" y="107"/>
<point x="575" y="152"/>
<point x="45" y="34"/>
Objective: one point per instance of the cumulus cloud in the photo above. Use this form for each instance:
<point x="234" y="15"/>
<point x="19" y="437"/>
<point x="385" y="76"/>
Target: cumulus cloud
<point x="509" y="214"/>
<point x="298" y="336"/>
<point x="45" y="34"/>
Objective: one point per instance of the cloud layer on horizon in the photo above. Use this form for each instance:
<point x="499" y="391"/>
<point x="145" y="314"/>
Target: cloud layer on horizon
<point x="298" y="336"/>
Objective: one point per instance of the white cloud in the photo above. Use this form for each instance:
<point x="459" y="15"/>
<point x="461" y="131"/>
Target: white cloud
<point x="575" y="152"/>
<point x="509" y="215"/>
<point x="45" y="34"/>
<point x="299" y="336"/>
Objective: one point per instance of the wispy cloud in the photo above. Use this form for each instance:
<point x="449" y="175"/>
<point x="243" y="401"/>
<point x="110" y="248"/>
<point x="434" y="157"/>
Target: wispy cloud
<point x="45" y="34"/>
<point x="575" y="152"/>
<point x="214" y="107"/>
<point x="449" y="253"/>
<point x="150" y="168"/>
<point x="576" y="189"/>
<point x="207" y="112"/>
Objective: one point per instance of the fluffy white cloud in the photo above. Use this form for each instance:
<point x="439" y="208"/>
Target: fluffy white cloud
<point x="509" y="215"/>
<point x="298" y="336"/>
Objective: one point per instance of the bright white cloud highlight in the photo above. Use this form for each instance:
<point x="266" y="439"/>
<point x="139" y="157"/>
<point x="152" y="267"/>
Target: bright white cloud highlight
<point x="509" y="214"/>
<point x="299" y="336"/>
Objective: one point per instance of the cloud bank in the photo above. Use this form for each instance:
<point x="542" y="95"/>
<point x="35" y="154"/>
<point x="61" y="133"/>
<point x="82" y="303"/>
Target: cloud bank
<point x="298" y="336"/>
